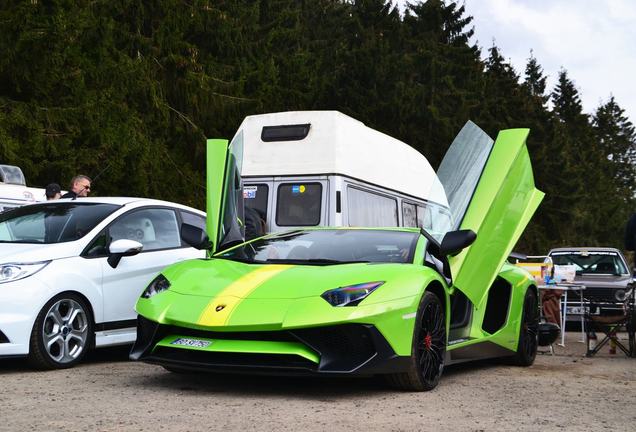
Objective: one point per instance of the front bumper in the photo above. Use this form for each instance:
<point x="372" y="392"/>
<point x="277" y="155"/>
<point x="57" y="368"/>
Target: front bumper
<point x="353" y="349"/>
<point x="20" y="302"/>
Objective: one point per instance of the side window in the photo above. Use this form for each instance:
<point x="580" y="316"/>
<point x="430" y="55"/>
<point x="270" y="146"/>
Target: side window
<point x="255" y="196"/>
<point x="367" y="209"/>
<point x="193" y="219"/>
<point x="153" y="228"/>
<point x="298" y="204"/>
<point x="409" y="214"/>
<point x="424" y="217"/>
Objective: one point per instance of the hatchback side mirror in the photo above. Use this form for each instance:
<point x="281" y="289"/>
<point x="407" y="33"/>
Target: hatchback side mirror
<point x="195" y="237"/>
<point x="455" y="241"/>
<point x="121" y="248"/>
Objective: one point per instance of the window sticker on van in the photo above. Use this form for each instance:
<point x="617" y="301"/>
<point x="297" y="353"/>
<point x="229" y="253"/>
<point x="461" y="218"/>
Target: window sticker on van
<point x="298" y="189"/>
<point x="249" y="192"/>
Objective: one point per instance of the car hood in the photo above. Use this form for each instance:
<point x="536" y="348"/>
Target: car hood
<point x="603" y="281"/>
<point x="228" y="295"/>
<point x="26" y="253"/>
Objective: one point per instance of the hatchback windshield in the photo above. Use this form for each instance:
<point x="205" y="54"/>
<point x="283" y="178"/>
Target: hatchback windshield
<point x="324" y="247"/>
<point x="52" y="222"/>
<point x="597" y="262"/>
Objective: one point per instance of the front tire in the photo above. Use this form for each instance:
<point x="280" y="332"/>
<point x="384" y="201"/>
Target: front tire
<point x="428" y="348"/>
<point x="62" y="333"/>
<point x="528" y="342"/>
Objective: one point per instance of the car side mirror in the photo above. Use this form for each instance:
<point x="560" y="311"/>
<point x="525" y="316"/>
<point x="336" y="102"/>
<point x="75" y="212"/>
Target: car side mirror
<point x="195" y="237"/>
<point x="121" y="248"/>
<point x="455" y="241"/>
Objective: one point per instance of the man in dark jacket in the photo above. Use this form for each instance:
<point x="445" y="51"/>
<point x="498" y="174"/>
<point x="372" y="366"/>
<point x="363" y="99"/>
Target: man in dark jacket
<point x="80" y="187"/>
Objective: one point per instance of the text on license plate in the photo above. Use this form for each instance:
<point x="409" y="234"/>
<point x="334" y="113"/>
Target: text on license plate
<point x="195" y="343"/>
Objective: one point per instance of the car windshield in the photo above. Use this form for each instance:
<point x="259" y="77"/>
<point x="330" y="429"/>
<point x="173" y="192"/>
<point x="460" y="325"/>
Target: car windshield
<point x="325" y="247"/>
<point x="52" y="222"/>
<point x="587" y="262"/>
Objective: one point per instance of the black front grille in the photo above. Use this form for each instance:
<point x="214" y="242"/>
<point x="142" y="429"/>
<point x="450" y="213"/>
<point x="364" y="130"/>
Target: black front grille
<point x="598" y="294"/>
<point x="3" y="338"/>
<point x="342" y="347"/>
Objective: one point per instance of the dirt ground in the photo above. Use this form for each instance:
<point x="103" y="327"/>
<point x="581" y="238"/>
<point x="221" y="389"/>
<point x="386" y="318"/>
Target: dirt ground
<point x="565" y="391"/>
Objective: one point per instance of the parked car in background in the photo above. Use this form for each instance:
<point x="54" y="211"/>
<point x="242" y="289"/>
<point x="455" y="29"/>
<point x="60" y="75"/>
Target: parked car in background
<point x="603" y="271"/>
<point x="72" y="270"/>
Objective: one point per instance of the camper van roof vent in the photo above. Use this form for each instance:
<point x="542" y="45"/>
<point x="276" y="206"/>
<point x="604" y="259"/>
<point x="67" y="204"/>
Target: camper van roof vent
<point x="10" y="174"/>
<point x="295" y="132"/>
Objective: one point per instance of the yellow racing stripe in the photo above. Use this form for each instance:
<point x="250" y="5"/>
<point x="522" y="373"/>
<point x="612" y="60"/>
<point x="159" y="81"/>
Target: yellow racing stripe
<point x="218" y="311"/>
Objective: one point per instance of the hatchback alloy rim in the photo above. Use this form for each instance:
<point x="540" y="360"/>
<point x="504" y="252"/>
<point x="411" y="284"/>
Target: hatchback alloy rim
<point x="432" y="343"/>
<point x="530" y="324"/>
<point x="65" y="331"/>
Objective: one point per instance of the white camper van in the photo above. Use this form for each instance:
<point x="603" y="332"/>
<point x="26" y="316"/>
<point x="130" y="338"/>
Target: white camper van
<point x="13" y="189"/>
<point x="323" y="168"/>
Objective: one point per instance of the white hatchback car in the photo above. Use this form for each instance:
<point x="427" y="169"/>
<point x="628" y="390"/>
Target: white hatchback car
<point x="72" y="270"/>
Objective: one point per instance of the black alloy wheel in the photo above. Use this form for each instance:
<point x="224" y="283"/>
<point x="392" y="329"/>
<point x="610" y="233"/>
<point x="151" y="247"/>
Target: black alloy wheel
<point x="528" y="342"/>
<point x="428" y="348"/>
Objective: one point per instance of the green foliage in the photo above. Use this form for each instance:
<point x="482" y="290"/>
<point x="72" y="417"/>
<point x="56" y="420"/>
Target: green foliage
<point x="127" y="91"/>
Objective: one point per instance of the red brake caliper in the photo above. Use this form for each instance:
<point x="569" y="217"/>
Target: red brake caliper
<point x="428" y="341"/>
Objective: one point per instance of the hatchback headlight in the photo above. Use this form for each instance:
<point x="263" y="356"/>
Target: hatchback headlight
<point x="350" y="295"/>
<point x="15" y="271"/>
<point x="158" y="285"/>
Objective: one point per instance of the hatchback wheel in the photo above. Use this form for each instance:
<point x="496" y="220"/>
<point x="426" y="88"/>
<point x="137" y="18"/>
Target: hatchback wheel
<point x="62" y="333"/>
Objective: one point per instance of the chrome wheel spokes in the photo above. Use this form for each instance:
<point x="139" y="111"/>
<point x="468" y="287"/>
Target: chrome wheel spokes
<point x="65" y="331"/>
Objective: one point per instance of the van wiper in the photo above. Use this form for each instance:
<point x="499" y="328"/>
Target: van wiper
<point x="316" y="261"/>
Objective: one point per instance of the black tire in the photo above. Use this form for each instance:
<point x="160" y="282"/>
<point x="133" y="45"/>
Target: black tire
<point x="62" y="333"/>
<point x="428" y="348"/>
<point x="528" y="342"/>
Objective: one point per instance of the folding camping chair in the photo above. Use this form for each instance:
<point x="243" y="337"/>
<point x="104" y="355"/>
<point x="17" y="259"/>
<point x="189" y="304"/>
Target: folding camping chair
<point x="609" y="326"/>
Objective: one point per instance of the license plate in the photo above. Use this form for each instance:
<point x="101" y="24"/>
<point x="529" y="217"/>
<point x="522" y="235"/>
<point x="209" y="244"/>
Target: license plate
<point x="576" y="310"/>
<point x="194" y="343"/>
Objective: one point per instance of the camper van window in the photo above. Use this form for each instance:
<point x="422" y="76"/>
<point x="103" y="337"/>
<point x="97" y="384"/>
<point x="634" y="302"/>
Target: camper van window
<point x="409" y="215"/>
<point x="255" y="196"/>
<point x="298" y="204"/>
<point x="367" y="209"/>
<point x="424" y="217"/>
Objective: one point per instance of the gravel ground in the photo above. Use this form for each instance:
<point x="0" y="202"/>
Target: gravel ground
<point x="565" y="391"/>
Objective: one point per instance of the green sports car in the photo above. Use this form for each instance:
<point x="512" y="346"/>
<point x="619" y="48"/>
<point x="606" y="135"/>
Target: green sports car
<point x="399" y="302"/>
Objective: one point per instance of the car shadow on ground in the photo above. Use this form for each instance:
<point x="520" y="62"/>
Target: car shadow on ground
<point x="304" y="387"/>
<point x="309" y="387"/>
<point x="101" y="355"/>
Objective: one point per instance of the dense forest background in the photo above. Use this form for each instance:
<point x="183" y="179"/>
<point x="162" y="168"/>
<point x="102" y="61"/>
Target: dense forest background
<point x="128" y="91"/>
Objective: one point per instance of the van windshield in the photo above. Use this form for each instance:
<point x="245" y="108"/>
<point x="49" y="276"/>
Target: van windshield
<point x="329" y="246"/>
<point x="52" y="222"/>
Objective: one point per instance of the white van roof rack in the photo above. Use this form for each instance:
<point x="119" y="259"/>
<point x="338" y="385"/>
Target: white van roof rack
<point x="329" y="142"/>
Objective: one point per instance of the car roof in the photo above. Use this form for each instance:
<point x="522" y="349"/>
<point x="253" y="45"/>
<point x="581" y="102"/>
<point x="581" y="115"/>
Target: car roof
<point x="122" y="201"/>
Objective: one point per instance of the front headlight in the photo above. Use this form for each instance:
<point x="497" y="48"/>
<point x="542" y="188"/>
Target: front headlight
<point x="15" y="271"/>
<point x="350" y="295"/>
<point x="158" y="284"/>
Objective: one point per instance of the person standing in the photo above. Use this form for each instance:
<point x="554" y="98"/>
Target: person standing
<point x="80" y="187"/>
<point x="53" y="191"/>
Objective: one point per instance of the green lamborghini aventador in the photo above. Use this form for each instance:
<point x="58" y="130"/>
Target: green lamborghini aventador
<point x="399" y="302"/>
